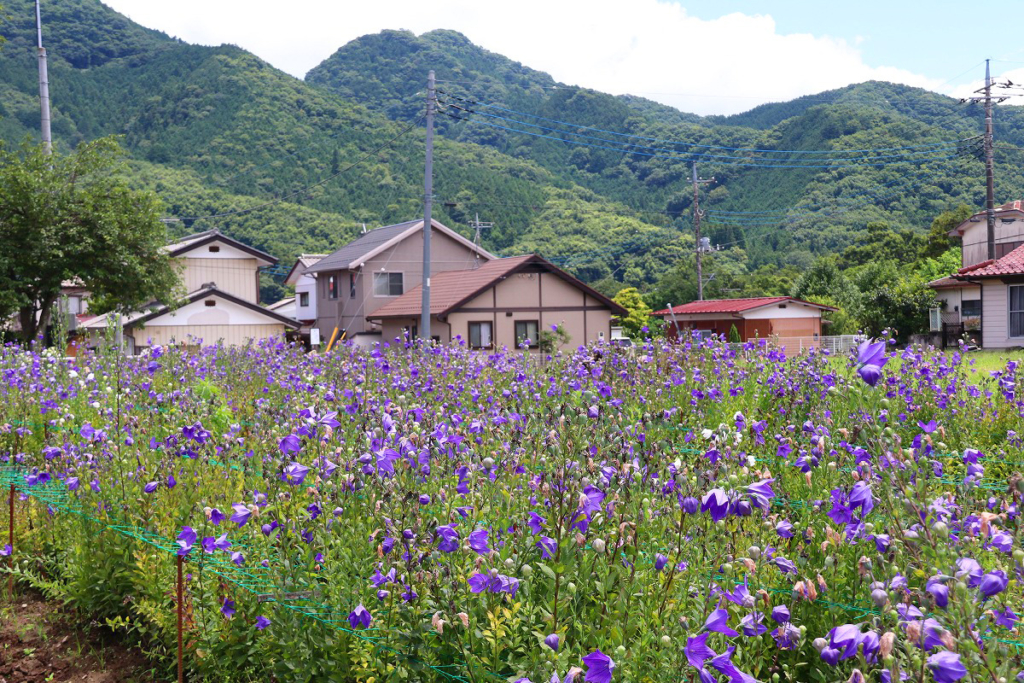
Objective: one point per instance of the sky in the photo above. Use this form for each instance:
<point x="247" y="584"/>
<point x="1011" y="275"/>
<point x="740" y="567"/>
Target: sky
<point x="701" y="56"/>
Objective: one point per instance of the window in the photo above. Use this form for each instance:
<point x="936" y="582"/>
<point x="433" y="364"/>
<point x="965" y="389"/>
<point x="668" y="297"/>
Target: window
<point x="214" y="249"/>
<point x="970" y="308"/>
<point x="480" y="336"/>
<point x="332" y="287"/>
<point x="304" y="298"/>
<point x="351" y="285"/>
<point x="388" y="284"/>
<point x="1004" y="248"/>
<point x="526" y="329"/>
<point x="210" y="302"/>
<point x="1017" y="310"/>
<point x="934" y="319"/>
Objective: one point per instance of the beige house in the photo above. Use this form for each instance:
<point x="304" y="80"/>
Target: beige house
<point x="377" y="268"/>
<point x="985" y="297"/>
<point x="503" y="303"/>
<point x="221" y="276"/>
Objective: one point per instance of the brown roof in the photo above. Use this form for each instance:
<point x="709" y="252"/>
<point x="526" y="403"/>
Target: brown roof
<point x="735" y="305"/>
<point x="450" y="289"/>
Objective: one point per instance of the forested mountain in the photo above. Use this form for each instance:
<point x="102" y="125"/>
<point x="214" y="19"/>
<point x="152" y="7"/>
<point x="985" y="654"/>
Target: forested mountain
<point x="222" y="136"/>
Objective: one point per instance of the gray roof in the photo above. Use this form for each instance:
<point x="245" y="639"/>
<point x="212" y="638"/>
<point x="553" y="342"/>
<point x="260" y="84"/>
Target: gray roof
<point x="360" y="246"/>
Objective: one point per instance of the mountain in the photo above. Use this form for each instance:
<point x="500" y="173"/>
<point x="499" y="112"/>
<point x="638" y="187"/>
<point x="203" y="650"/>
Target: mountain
<point x="294" y="165"/>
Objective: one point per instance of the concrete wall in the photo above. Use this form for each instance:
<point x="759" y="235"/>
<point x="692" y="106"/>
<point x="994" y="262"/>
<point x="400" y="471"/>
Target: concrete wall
<point x="406" y="257"/>
<point x="974" y="245"/>
<point x="234" y="276"/>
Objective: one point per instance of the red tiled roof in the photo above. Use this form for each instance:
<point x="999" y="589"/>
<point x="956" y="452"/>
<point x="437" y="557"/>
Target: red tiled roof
<point x="947" y="282"/>
<point x="734" y="305"/>
<point x="1011" y="264"/>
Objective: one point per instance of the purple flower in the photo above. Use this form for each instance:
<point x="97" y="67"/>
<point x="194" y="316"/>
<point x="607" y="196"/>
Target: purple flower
<point x="845" y="639"/>
<point x="784" y="565"/>
<point x="717" y="621"/>
<point x="780" y="614"/>
<point x="547" y="547"/>
<point x="359" y="617"/>
<point x="295" y="473"/>
<point x="478" y="582"/>
<point x="946" y="667"/>
<point x="216" y="516"/>
<point x="228" y="608"/>
<point x="449" y="538"/>
<point x="784" y="529"/>
<point x="478" y="541"/>
<point x="993" y="583"/>
<point x="716" y="503"/>
<point x="761" y="493"/>
<point x="599" y="667"/>
<point x="536" y="523"/>
<point x="659" y="562"/>
<point x="871" y="358"/>
<point x="290" y="444"/>
<point x="186" y="539"/>
<point x="552" y="641"/>
<point x="689" y="504"/>
<point x="262" y="623"/>
<point x="1005" y="617"/>
<point x="241" y="515"/>
<point x="6" y="550"/>
<point x="151" y="486"/>
<point x="928" y="427"/>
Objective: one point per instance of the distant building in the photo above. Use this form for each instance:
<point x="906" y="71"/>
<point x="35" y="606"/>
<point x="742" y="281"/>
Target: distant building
<point x="502" y="303"/>
<point x="378" y="267"/>
<point x="984" y="299"/>
<point x="305" y="289"/>
<point x="763" y="317"/>
<point x="221" y="276"/>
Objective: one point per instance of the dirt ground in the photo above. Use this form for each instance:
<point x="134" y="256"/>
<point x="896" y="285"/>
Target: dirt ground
<point x="40" y="643"/>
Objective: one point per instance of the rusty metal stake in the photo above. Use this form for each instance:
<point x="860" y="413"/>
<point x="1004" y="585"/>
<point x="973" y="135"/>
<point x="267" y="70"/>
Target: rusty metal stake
<point x="10" y="541"/>
<point x="181" y="608"/>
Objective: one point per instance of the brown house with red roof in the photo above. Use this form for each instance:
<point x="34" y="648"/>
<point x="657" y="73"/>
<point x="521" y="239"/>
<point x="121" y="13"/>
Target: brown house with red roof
<point x="501" y="303"/>
<point x="759" y="317"/>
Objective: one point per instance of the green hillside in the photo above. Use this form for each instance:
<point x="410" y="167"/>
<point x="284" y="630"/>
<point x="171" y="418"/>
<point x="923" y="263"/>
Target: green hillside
<point x="222" y="136"/>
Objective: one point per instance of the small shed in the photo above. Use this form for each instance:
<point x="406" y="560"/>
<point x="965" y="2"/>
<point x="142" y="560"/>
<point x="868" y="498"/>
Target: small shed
<point x="758" y="317"/>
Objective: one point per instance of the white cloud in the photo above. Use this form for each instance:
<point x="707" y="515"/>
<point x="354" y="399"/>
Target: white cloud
<point x="645" y="47"/>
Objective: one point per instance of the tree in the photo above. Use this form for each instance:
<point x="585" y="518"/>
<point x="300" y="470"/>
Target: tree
<point x="938" y="240"/>
<point x="68" y="217"/>
<point x="824" y="283"/>
<point x="639" y="312"/>
<point x="734" y="335"/>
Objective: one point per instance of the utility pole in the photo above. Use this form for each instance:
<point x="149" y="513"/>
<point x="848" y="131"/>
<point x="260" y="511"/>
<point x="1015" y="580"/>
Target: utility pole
<point x="990" y="193"/>
<point x="428" y="201"/>
<point x="478" y="226"/>
<point x="697" y="182"/>
<point x="44" y="85"/>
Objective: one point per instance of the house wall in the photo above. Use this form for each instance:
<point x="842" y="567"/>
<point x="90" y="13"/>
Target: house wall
<point x="238" y="276"/>
<point x="306" y="284"/>
<point x="789" y="309"/>
<point x="405" y="257"/>
<point x="788" y="324"/>
<point x="230" y="335"/>
<point x="995" y="313"/>
<point x="954" y="299"/>
<point x="286" y="309"/>
<point x="974" y="243"/>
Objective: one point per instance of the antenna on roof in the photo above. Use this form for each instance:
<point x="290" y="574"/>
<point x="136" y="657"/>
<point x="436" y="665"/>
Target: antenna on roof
<point x="478" y="226"/>
<point x="364" y="228"/>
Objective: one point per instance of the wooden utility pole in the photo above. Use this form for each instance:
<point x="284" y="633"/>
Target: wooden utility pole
<point x="697" y="182"/>
<point x="478" y="226"/>
<point x="428" y="201"/>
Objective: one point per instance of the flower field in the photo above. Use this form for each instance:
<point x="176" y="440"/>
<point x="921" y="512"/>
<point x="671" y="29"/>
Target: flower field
<point x="686" y="512"/>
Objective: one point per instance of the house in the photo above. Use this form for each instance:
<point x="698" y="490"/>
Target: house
<point x="285" y="307"/>
<point x="221" y="276"/>
<point x="502" y="303"/>
<point x="979" y="299"/>
<point x="759" y="317"/>
<point x="305" y="288"/>
<point x="379" y="267"/>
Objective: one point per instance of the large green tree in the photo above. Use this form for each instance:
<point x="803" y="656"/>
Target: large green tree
<point x="639" y="312"/>
<point x="67" y="217"/>
<point x="938" y="240"/>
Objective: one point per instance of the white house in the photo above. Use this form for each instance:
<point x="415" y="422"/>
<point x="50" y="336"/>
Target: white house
<point x="221" y="276"/>
<point x="305" y="288"/>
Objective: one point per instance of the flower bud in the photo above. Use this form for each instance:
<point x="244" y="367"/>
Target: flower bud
<point x="886" y="643"/>
<point x="598" y="545"/>
<point x="820" y="644"/>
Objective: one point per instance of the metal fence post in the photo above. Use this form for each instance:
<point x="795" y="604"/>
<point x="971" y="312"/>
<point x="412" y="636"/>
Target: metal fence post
<point x="181" y="607"/>
<point x="10" y="541"/>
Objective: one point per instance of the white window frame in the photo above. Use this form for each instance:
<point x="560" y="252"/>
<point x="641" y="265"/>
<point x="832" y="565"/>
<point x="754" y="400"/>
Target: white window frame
<point x="935" y="319"/>
<point x="388" y="273"/>
<point x="469" y="334"/>
<point x="1011" y="311"/>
